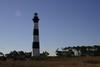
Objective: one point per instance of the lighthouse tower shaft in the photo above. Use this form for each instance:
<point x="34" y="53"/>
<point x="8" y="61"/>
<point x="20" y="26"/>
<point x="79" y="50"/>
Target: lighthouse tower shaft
<point x="35" y="43"/>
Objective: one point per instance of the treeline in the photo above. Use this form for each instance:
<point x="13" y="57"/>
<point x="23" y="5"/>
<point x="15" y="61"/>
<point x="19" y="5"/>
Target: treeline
<point x="15" y="55"/>
<point x="20" y="55"/>
<point x="66" y="51"/>
<point x="79" y="51"/>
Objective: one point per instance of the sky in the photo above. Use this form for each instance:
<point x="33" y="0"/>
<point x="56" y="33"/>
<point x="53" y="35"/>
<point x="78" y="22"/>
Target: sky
<point x="62" y="23"/>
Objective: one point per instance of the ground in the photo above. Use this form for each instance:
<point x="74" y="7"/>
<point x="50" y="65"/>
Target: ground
<point x="55" y="62"/>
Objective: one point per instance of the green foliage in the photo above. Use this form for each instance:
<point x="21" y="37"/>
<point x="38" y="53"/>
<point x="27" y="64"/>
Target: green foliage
<point x="12" y="54"/>
<point x="37" y="58"/>
<point x="44" y="54"/>
<point x="58" y="53"/>
<point x="18" y="55"/>
<point x="28" y="54"/>
<point x="2" y="58"/>
<point x="1" y="54"/>
<point x="21" y="53"/>
<point x="65" y="52"/>
<point x="81" y="50"/>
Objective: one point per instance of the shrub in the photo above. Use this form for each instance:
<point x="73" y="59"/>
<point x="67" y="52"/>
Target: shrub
<point x="20" y="57"/>
<point x="37" y="58"/>
<point x="2" y="58"/>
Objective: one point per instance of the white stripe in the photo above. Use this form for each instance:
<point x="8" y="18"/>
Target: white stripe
<point x="36" y="38"/>
<point x="35" y="25"/>
<point x="36" y="52"/>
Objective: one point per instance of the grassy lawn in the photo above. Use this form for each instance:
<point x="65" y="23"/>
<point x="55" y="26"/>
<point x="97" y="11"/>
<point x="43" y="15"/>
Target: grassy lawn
<point x="55" y="62"/>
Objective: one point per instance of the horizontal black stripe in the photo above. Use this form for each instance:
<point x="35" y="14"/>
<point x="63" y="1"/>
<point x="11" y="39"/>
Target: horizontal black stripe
<point x="36" y="32"/>
<point x="35" y="45"/>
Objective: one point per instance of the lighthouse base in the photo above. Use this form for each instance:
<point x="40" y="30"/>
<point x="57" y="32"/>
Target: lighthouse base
<point x="35" y="52"/>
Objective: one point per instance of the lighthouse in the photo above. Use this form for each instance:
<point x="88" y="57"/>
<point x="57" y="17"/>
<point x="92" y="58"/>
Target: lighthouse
<point x="35" y="43"/>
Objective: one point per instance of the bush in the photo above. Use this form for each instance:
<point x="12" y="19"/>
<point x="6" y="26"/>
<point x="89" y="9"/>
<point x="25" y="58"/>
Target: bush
<point x="20" y="57"/>
<point x="37" y="58"/>
<point x="2" y="58"/>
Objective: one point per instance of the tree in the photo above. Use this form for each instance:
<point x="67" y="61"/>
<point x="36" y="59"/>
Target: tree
<point x="45" y="53"/>
<point x="2" y="57"/>
<point x="78" y="50"/>
<point x="12" y="54"/>
<point x="83" y="50"/>
<point x="21" y="53"/>
<point x="28" y="54"/>
<point x="1" y="54"/>
<point x="67" y="51"/>
<point x="96" y="50"/>
<point x="90" y="50"/>
<point x="58" y="53"/>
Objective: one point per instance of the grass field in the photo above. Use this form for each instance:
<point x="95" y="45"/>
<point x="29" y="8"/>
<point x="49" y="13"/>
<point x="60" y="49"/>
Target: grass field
<point x="55" y="62"/>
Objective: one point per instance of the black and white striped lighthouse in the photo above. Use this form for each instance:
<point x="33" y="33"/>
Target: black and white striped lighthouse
<point x="35" y="43"/>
